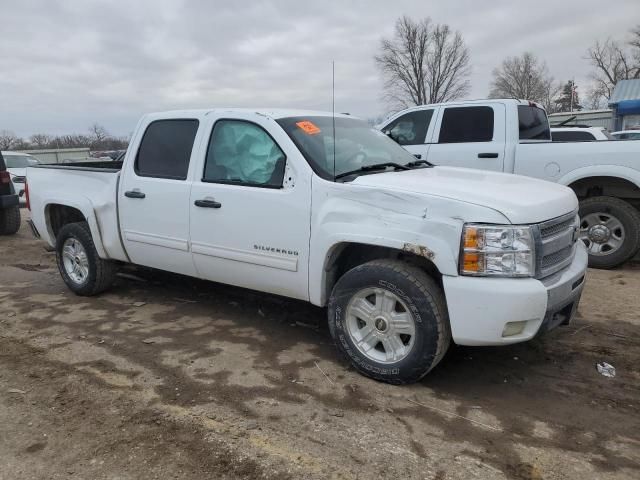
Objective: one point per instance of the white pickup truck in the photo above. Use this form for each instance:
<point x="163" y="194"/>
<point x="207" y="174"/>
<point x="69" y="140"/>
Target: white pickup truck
<point x="325" y="209"/>
<point x="513" y="136"/>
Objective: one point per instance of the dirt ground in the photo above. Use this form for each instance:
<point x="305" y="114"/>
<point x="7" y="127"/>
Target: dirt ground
<point x="169" y="377"/>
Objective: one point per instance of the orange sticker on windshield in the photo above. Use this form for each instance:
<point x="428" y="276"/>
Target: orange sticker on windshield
<point x="308" y="127"/>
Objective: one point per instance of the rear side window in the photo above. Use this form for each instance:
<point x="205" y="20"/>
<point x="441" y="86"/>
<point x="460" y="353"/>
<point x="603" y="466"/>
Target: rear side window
<point x="569" y="136"/>
<point x="466" y="124"/>
<point x="165" y="149"/>
<point x="533" y="123"/>
<point x="411" y="128"/>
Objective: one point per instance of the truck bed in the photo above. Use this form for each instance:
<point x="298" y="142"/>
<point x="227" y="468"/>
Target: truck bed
<point x="99" y="166"/>
<point x="90" y="188"/>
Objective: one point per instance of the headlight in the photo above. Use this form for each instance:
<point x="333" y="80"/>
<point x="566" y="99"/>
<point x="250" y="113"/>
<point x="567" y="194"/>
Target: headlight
<point x="497" y="250"/>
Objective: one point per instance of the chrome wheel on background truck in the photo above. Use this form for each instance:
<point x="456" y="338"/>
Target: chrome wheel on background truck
<point x="610" y="229"/>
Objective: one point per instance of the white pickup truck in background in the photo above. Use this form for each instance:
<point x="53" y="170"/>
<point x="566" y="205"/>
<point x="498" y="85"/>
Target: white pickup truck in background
<point x="406" y="257"/>
<point x="513" y="136"/>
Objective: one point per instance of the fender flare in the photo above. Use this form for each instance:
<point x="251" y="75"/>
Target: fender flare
<point x="614" y="171"/>
<point x="85" y="207"/>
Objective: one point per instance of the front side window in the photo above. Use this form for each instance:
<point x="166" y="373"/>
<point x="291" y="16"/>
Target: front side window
<point x="165" y="149"/>
<point x="410" y="128"/>
<point x="466" y="124"/>
<point x="533" y="123"/>
<point x="356" y="144"/>
<point x="243" y="153"/>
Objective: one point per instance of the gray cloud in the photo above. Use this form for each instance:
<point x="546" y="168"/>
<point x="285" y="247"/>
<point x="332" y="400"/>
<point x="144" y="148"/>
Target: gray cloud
<point x="68" y="64"/>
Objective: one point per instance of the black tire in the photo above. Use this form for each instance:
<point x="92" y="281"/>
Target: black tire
<point x="423" y="297"/>
<point x="10" y="220"/>
<point x="628" y="216"/>
<point x="102" y="272"/>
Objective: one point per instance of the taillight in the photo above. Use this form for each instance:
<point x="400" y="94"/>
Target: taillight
<point x="5" y="177"/>
<point x="26" y="194"/>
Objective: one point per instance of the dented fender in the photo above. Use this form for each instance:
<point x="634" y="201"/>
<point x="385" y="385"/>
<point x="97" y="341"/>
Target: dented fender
<point x="428" y="226"/>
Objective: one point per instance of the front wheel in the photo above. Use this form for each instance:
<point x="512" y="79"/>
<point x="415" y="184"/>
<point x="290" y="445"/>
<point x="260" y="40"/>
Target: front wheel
<point x="80" y="266"/>
<point x="389" y="318"/>
<point x="610" y="229"/>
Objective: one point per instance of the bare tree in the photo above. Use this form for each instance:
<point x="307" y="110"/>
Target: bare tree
<point x="8" y="140"/>
<point x="525" y="77"/>
<point x="40" y="140"/>
<point x="612" y="64"/>
<point x="423" y="63"/>
<point x="98" y="133"/>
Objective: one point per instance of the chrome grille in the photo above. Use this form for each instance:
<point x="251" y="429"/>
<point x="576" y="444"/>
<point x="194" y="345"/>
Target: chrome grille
<point x="550" y="230"/>
<point x="555" y="244"/>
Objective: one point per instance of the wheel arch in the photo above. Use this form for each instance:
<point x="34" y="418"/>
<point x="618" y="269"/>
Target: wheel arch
<point x="346" y="255"/>
<point x="60" y="213"/>
<point x="616" y="181"/>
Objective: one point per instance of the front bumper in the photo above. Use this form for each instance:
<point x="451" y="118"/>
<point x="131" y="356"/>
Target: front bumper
<point x="481" y="308"/>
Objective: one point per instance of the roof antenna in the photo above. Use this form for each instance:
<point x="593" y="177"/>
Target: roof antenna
<point x="333" y="113"/>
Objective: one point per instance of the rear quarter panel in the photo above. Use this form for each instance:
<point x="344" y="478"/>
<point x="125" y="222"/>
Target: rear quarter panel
<point x="567" y="162"/>
<point x="91" y="192"/>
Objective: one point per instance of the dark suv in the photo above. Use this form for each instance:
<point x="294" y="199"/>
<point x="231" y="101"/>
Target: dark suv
<point x="9" y="207"/>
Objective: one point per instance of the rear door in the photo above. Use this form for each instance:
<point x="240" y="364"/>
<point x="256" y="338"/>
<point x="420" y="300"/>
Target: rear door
<point x="154" y="194"/>
<point x="469" y="136"/>
<point x="411" y="130"/>
<point x="251" y="207"/>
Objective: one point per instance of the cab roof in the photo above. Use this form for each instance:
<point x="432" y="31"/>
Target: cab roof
<point x="274" y="113"/>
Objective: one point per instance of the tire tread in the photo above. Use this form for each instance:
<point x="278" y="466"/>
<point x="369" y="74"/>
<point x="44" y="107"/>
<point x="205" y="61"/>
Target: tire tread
<point x="10" y="220"/>
<point x="436" y="299"/>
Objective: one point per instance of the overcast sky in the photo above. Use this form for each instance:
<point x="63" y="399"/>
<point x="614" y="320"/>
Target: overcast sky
<point x="67" y="64"/>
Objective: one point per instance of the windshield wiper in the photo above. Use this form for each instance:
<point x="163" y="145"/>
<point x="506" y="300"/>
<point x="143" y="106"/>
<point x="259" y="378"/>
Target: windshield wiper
<point x="416" y="163"/>
<point x="375" y="166"/>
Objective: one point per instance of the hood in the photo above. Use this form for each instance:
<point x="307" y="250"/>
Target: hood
<point x="18" y="172"/>
<point x="520" y="199"/>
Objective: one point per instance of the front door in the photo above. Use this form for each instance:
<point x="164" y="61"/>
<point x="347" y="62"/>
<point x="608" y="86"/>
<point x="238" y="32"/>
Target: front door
<point x="411" y="130"/>
<point x="250" y="208"/>
<point x="153" y="200"/>
<point x="470" y="136"/>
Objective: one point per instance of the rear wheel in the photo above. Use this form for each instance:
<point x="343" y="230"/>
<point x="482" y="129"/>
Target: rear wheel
<point x="84" y="272"/>
<point x="10" y="220"/>
<point x="390" y="320"/>
<point x="610" y="229"/>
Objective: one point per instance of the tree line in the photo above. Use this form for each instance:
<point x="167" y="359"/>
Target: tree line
<point x="97" y="138"/>
<point x="426" y="63"/>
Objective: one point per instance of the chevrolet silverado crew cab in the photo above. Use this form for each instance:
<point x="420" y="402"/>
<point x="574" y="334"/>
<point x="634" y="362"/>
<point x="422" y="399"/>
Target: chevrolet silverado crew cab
<point x="406" y="256"/>
<point x="513" y="136"/>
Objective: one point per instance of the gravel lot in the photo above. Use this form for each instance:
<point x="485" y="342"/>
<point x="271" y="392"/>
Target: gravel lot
<point x="169" y="377"/>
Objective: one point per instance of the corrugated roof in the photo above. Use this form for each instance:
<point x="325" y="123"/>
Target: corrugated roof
<point x="625" y="90"/>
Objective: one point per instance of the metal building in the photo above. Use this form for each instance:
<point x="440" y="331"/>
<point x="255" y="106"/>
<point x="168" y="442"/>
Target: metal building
<point x="592" y="118"/>
<point x="625" y="102"/>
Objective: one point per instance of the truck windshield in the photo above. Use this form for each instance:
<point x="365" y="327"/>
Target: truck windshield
<point x="533" y="123"/>
<point x="20" y="161"/>
<point x="356" y="145"/>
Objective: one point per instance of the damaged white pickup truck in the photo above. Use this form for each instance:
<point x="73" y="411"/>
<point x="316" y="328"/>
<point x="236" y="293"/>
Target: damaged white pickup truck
<point x="406" y="256"/>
